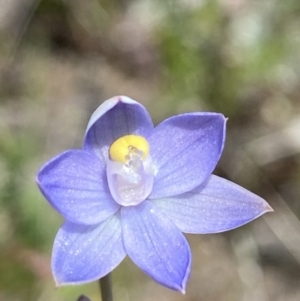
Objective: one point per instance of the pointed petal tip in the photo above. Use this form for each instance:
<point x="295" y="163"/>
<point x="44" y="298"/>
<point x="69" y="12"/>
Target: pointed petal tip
<point x="57" y="282"/>
<point x="186" y="277"/>
<point x="125" y="98"/>
<point x="268" y="208"/>
<point x="181" y="288"/>
<point x="120" y="98"/>
<point x="37" y="181"/>
<point x="176" y="287"/>
<point x="265" y="206"/>
<point x="60" y="283"/>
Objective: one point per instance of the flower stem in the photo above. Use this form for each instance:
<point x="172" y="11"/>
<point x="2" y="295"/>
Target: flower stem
<point x="105" y="288"/>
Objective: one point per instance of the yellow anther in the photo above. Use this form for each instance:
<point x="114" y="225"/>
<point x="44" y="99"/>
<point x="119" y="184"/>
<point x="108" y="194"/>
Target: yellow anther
<point x="122" y="147"/>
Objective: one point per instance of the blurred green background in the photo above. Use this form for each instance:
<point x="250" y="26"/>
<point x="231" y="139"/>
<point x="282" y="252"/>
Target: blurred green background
<point x="60" y="59"/>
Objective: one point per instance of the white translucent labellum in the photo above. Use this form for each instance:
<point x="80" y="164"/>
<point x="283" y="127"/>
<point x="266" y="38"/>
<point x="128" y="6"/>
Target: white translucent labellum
<point x="130" y="179"/>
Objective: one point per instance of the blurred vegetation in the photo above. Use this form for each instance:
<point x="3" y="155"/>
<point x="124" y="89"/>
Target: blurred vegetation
<point x="60" y="59"/>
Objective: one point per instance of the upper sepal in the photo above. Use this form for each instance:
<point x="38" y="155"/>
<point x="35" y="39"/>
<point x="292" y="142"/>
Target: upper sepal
<point x="114" y="118"/>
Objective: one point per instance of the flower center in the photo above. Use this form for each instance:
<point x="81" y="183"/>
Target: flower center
<point x="130" y="172"/>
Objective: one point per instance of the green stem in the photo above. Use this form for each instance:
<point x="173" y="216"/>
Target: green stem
<point x="105" y="288"/>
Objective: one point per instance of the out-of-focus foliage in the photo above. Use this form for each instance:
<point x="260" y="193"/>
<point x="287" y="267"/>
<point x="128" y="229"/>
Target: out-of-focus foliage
<point x="60" y="59"/>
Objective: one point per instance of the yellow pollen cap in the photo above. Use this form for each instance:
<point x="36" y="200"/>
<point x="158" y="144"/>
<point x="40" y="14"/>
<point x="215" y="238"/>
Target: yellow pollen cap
<point x="121" y="148"/>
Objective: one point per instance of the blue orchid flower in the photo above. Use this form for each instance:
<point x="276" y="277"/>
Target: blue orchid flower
<point x="134" y="188"/>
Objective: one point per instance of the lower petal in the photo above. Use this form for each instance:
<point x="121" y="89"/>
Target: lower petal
<point x="156" y="245"/>
<point x="86" y="253"/>
<point x="216" y="206"/>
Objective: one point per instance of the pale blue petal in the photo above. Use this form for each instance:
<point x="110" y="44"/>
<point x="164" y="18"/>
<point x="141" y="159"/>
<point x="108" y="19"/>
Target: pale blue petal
<point x="185" y="150"/>
<point x="115" y="118"/>
<point x="76" y="186"/>
<point x="87" y="253"/>
<point x="216" y="206"/>
<point x="156" y="245"/>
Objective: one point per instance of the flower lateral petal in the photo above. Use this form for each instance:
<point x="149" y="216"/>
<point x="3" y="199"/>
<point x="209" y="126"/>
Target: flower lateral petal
<point x="156" y="245"/>
<point x="75" y="184"/>
<point x="185" y="150"/>
<point x="83" y="254"/>
<point x="114" y="118"/>
<point x="216" y="206"/>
